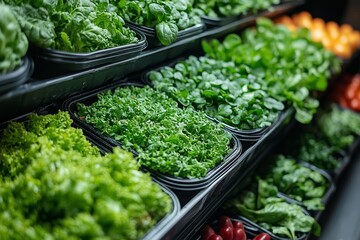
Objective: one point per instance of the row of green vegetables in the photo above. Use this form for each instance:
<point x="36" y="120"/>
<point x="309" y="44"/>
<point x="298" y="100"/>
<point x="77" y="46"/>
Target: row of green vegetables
<point x="56" y="185"/>
<point x="90" y="25"/>
<point x="243" y="95"/>
<point x="262" y="201"/>
<point x="47" y="159"/>
<point x="246" y="80"/>
<point x="44" y="159"/>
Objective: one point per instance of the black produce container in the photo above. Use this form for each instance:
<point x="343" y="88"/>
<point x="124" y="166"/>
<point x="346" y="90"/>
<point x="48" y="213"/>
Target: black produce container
<point x="247" y="137"/>
<point x="177" y="183"/>
<point x="17" y="77"/>
<point x="218" y="22"/>
<point x="49" y="62"/>
<point x="152" y="39"/>
<point x="104" y="148"/>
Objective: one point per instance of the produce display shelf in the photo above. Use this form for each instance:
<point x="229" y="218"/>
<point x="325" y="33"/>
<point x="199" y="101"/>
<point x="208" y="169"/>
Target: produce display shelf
<point x="196" y="209"/>
<point x="41" y="92"/>
<point x="196" y="206"/>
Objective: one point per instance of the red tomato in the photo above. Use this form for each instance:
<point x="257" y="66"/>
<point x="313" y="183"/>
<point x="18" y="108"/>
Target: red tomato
<point x="238" y="224"/>
<point x="225" y="221"/>
<point x="226" y="233"/>
<point x="216" y="237"/>
<point x="239" y="234"/>
<point x="355" y="104"/>
<point x="262" y="236"/>
<point x="207" y="232"/>
<point x="350" y="93"/>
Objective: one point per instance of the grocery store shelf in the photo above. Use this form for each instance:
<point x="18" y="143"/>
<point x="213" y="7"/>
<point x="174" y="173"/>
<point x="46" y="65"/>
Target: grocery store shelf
<point x="37" y="93"/>
<point x="202" y="205"/>
<point x="341" y="218"/>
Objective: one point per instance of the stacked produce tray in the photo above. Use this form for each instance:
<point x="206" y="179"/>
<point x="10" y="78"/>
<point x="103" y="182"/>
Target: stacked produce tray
<point x="194" y="200"/>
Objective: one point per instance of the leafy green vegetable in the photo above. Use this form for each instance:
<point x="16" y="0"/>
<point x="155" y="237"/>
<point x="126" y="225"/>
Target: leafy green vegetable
<point x="259" y="203"/>
<point x="291" y="63"/>
<point x="13" y="42"/>
<point x="73" y="26"/>
<point x="61" y="188"/>
<point x="339" y="126"/>
<point x="298" y="182"/>
<point x="225" y="92"/>
<point x="168" y="17"/>
<point x="20" y="138"/>
<point x="321" y="143"/>
<point x="170" y="140"/>
<point x="228" y="8"/>
<point x="36" y="24"/>
<point x="166" y="32"/>
<point x="317" y="151"/>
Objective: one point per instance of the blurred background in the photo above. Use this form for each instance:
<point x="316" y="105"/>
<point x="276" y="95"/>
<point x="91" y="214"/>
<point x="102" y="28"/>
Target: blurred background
<point x="341" y="11"/>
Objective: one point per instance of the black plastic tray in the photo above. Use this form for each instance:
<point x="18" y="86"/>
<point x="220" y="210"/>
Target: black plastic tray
<point x="248" y="137"/>
<point x="152" y="39"/>
<point x="17" y="77"/>
<point x="172" y="182"/>
<point x="49" y="62"/>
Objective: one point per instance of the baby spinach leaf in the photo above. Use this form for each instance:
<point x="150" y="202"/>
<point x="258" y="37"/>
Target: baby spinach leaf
<point x="166" y="32"/>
